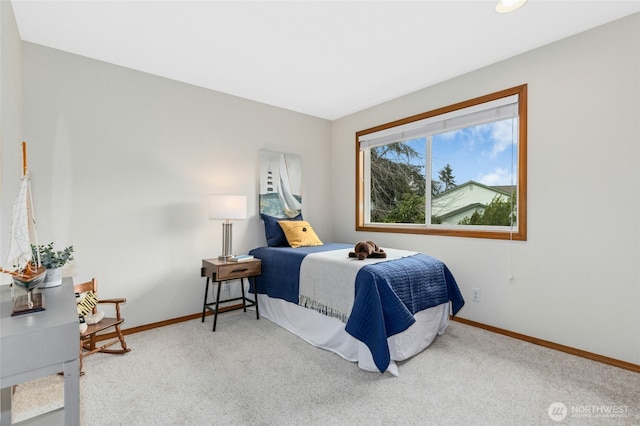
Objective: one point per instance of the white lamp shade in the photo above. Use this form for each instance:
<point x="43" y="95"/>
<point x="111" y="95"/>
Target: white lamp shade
<point x="227" y="207"/>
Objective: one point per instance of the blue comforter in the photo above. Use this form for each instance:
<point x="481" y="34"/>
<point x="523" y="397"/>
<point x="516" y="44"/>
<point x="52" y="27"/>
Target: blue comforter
<point x="387" y="294"/>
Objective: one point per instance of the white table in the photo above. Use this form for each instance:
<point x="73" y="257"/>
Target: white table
<point x="41" y="344"/>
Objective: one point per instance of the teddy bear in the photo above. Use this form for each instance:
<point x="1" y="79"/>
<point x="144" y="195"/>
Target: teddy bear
<point x="364" y="249"/>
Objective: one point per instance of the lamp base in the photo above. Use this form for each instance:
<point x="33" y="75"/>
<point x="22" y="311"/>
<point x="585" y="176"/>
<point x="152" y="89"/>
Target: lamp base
<point x="226" y="241"/>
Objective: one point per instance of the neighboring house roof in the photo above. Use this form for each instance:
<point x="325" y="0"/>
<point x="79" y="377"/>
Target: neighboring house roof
<point x="504" y="189"/>
<point x="457" y="215"/>
<point x="507" y="189"/>
<point x="462" y="201"/>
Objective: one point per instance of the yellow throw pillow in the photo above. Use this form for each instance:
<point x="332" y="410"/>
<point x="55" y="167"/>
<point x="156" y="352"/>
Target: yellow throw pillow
<point x="299" y="233"/>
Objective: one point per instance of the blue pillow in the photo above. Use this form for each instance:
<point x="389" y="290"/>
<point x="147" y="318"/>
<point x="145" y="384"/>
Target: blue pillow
<point x="273" y="231"/>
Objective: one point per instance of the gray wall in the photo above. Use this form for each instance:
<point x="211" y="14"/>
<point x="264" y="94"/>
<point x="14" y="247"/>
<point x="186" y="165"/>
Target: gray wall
<point x="122" y="163"/>
<point x="10" y="109"/>
<point x="577" y="278"/>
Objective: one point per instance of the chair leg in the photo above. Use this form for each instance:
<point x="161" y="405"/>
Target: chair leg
<point x="123" y="344"/>
<point x="81" y="351"/>
<point x="121" y="337"/>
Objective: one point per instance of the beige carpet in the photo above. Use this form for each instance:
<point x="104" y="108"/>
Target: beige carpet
<point x="255" y="373"/>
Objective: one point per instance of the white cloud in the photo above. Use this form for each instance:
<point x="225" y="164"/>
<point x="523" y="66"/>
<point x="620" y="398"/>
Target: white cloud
<point x="498" y="176"/>
<point x="502" y="133"/>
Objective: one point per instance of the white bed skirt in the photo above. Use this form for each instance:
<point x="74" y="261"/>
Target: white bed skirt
<point x="329" y="333"/>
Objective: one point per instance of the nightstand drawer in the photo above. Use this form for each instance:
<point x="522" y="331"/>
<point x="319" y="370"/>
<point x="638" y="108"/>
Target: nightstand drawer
<point x="237" y="270"/>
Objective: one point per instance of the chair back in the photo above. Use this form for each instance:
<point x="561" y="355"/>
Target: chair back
<point x="87" y="286"/>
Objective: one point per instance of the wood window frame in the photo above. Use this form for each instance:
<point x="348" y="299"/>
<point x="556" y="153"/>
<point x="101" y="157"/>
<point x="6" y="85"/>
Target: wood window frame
<point x="520" y="233"/>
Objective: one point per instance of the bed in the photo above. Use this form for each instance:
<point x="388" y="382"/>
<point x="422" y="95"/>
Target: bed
<point x="373" y="312"/>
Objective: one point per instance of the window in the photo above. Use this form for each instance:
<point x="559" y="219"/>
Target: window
<point x="459" y="170"/>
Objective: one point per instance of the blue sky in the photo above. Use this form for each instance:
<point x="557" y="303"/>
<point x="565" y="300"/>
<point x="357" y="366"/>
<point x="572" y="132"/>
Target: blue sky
<point x="481" y="153"/>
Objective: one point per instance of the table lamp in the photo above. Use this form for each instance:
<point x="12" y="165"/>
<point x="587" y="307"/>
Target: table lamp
<point x="227" y="207"/>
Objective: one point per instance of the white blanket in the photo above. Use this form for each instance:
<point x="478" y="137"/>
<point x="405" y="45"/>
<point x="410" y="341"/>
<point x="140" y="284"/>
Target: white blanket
<point x="327" y="280"/>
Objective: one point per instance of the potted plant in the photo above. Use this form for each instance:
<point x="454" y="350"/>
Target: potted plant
<point x="53" y="261"/>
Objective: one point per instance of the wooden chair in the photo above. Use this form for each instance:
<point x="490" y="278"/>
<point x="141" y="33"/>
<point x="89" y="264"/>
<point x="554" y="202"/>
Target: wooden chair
<point x="96" y="332"/>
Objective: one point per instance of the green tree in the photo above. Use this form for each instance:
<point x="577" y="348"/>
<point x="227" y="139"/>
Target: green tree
<point x="393" y="179"/>
<point x="499" y="212"/>
<point x="447" y="178"/>
<point x="446" y="181"/>
<point x="410" y="209"/>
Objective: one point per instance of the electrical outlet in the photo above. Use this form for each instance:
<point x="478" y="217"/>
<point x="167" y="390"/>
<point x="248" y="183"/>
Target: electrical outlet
<point x="475" y="294"/>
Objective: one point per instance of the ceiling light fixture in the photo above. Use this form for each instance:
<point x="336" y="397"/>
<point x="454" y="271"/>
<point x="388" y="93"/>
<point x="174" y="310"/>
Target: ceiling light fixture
<point x="506" y="6"/>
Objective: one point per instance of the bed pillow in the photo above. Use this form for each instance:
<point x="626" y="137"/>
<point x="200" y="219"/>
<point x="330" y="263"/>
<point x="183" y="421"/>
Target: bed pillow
<point x="273" y="231"/>
<point x="299" y="233"/>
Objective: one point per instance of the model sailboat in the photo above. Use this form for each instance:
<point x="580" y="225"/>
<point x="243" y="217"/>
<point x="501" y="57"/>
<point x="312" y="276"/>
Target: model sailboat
<point x="27" y="272"/>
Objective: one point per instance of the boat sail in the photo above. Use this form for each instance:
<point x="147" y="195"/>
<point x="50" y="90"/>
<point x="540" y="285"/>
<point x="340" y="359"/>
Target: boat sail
<point x="28" y="273"/>
<point x="292" y="207"/>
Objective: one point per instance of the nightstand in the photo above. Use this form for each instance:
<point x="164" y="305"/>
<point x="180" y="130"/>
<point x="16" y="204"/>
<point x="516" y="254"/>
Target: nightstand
<point x="218" y="271"/>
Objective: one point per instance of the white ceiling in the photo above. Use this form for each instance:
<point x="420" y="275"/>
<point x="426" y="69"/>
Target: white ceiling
<point x="323" y="58"/>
